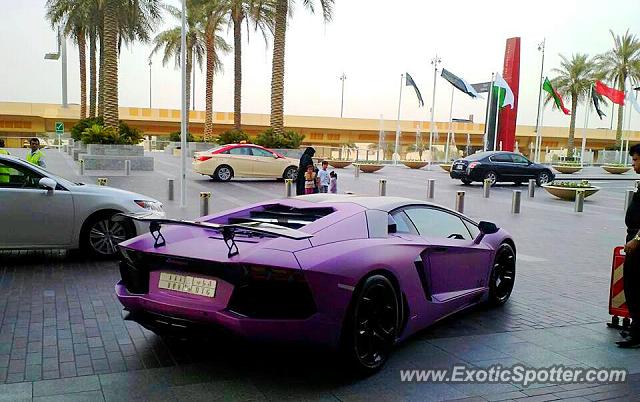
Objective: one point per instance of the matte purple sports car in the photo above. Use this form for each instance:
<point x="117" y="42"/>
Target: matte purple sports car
<point x="352" y="272"/>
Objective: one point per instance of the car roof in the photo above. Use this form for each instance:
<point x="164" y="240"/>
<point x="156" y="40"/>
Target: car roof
<point x="370" y="202"/>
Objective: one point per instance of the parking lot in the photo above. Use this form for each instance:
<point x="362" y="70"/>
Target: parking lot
<point x="63" y="337"/>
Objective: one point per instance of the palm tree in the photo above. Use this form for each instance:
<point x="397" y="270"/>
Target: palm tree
<point x="573" y="80"/>
<point x="622" y="61"/>
<point x="170" y="42"/>
<point x="282" y="10"/>
<point x="73" y="17"/>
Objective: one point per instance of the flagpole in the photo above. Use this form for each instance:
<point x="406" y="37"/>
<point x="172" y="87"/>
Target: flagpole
<point x="586" y="123"/>
<point x="434" y="62"/>
<point x="630" y="112"/>
<point x="380" y="138"/>
<point x="495" y="136"/>
<point x="624" y="109"/>
<point x="540" y="128"/>
<point x="396" y="155"/>
<point x="449" y="133"/>
<point x="536" y="156"/>
<point x="486" y="119"/>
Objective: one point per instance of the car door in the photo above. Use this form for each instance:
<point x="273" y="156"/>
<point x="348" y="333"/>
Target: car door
<point x="266" y="163"/>
<point x="453" y="264"/>
<point x="523" y="167"/>
<point x="241" y="160"/>
<point x="503" y="165"/>
<point x="30" y="215"/>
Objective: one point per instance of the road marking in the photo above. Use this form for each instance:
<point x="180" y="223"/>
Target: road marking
<point x="529" y="258"/>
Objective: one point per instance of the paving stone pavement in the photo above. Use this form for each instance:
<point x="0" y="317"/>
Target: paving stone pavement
<point x="63" y="337"/>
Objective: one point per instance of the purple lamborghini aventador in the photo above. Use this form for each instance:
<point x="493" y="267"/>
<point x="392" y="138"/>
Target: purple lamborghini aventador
<point x="352" y="272"/>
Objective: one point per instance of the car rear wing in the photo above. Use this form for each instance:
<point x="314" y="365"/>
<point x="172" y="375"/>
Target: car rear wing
<point x="228" y="231"/>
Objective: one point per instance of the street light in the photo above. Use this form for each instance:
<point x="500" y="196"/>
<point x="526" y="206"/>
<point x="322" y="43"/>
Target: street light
<point x="149" y="82"/>
<point x="536" y="152"/>
<point x="434" y="62"/>
<point x="61" y="54"/>
<point x="343" y="77"/>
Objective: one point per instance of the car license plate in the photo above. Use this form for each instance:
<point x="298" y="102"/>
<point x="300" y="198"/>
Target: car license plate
<point x="459" y="167"/>
<point x="188" y="284"/>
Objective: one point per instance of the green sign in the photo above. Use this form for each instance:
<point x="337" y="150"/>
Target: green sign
<point x="59" y="127"/>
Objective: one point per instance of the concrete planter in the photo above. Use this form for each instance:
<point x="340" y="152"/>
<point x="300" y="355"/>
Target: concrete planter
<point x="616" y="169"/>
<point x="567" y="169"/>
<point x="115" y="150"/>
<point x="446" y="166"/>
<point x="415" y="164"/>
<point x="339" y="164"/>
<point x="569" y="193"/>
<point x="117" y="163"/>
<point x="370" y="168"/>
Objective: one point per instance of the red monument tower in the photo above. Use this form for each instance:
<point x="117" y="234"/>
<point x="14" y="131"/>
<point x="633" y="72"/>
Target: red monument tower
<point x="511" y="74"/>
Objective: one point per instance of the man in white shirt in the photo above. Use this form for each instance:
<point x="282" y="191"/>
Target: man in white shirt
<point x="323" y="178"/>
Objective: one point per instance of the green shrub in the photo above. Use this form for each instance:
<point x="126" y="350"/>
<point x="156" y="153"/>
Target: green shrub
<point x="129" y="135"/>
<point x="288" y="140"/>
<point x="232" y="137"/>
<point x="78" y="129"/>
<point x="97" y="134"/>
<point x="572" y="184"/>
<point x="175" y="137"/>
<point x="616" y="165"/>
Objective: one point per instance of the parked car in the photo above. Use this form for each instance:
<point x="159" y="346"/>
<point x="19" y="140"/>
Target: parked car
<point x="355" y="273"/>
<point x="244" y="160"/>
<point x="499" y="166"/>
<point x="41" y="210"/>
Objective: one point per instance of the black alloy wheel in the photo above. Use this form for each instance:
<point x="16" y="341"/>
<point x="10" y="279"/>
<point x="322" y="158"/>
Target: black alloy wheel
<point x="101" y="235"/>
<point x="543" y="178"/>
<point x="492" y="177"/>
<point x="373" y="324"/>
<point x="503" y="275"/>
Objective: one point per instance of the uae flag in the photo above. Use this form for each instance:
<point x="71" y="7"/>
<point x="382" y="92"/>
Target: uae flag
<point x="555" y="96"/>
<point x="614" y="95"/>
<point x="596" y="104"/>
<point x="503" y="92"/>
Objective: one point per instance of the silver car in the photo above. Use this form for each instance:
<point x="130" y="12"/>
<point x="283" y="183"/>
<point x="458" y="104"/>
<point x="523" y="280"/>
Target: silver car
<point x="41" y="210"/>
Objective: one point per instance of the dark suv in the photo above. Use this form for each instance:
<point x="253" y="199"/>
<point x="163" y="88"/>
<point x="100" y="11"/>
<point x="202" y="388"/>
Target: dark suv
<point x="499" y="166"/>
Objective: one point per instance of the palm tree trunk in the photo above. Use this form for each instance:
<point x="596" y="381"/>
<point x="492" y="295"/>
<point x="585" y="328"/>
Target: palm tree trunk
<point x="82" y="56"/>
<point x="237" y="65"/>
<point x="110" y="64"/>
<point x="189" y="66"/>
<point x="208" y="118"/>
<point x="101" y="76"/>
<point x="277" y="71"/>
<point x="572" y="126"/>
<point x="619" y="126"/>
<point x="92" y="73"/>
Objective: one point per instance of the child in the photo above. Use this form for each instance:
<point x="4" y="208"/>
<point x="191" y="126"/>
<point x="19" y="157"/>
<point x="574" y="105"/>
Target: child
<point x="333" y="182"/>
<point x="323" y="178"/>
<point x="309" y="180"/>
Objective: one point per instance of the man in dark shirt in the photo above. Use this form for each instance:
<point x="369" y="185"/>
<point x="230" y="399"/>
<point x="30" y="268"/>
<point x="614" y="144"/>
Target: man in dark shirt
<point x="631" y="269"/>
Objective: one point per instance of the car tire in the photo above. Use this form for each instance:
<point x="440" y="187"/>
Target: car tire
<point x="543" y="178"/>
<point x="223" y="173"/>
<point x="100" y="235"/>
<point x="371" y="325"/>
<point x="466" y="182"/>
<point x="290" y="173"/>
<point x="503" y="275"/>
<point x="492" y="176"/>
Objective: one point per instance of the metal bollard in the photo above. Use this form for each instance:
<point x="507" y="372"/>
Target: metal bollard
<point x="628" y="198"/>
<point x="170" y="195"/>
<point x="431" y="189"/>
<point x="102" y="181"/>
<point x="382" y="187"/>
<point x="579" y="206"/>
<point x="204" y="203"/>
<point x="515" y="201"/>
<point x="81" y="167"/>
<point x="460" y="201"/>
<point x="532" y="188"/>
<point x="288" y="185"/>
<point x="486" y="188"/>
<point x="127" y="167"/>
<point x="356" y="171"/>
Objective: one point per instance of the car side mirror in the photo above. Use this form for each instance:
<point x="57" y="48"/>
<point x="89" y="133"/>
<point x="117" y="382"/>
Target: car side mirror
<point x="48" y="184"/>
<point x="485" y="229"/>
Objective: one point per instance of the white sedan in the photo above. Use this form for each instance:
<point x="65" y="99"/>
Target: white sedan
<point x="42" y="210"/>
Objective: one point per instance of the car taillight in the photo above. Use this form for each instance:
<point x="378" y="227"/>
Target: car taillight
<point x="203" y="158"/>
<point x="472" y="165"/>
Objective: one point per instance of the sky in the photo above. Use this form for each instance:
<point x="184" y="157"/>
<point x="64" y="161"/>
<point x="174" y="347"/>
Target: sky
<point x="371" y="41"/>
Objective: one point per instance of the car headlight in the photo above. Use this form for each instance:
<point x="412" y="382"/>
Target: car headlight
<point x="154" y="206"/>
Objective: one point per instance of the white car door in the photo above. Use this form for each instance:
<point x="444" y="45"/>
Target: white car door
<point x="31" y="216"/>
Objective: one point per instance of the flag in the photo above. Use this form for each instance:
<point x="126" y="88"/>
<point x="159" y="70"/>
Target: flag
<point x="410" y="81"/>
<point x="555" y="95"/>
<point x="596" y="104"/>
<point x="481" y="87"/>
<point x="459" y="83"/>
<point x="629" y="95"/>
<point x="505" y="95"/>
<point x="615" y="95"/>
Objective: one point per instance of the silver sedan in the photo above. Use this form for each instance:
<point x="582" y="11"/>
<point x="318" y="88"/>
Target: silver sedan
<point x="41" y="210"/>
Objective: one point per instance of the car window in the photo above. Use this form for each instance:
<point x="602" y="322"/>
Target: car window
<point x="432" y="222"/>
<point x="261" y="152"/>
<point x="403" y="224"/>
<point x="520" y="159"/>
<point x="473" y="229"/>
<point x="16" y="176"/>
<point x="501" y="158"/>
<point x="240" y="151"/>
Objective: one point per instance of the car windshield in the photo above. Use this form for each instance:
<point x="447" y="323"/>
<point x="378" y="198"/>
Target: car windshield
<point x="214" y="149"/>
<point x="60" y="180"/>
<point x="478" y="156"/>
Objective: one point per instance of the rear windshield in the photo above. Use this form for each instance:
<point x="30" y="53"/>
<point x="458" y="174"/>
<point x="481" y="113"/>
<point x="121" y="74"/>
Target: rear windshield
<point x="477" y="156"/>
<point x="283" y="215"/>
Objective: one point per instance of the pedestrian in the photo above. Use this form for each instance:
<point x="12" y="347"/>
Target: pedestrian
<point x="333" y="182"/>
<point x="309" y="180"/>
<point x="5" y="172"/>
<point x="35" y="156"/>
<point x="323" y="178"/>
<point x="305" y="160"/>
<point x="631" y="269"/>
